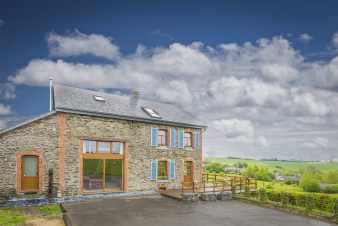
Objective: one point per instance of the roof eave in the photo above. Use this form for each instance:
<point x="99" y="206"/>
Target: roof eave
<point x="129" y="118"/>
<point x="26" y="122"/>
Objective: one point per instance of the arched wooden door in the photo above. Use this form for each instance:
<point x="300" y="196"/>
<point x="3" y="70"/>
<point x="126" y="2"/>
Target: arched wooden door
<point x="30" y="173"/>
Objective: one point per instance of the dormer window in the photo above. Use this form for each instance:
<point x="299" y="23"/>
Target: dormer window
<point x="99" y="98"/>
<point x="151" y="112"/>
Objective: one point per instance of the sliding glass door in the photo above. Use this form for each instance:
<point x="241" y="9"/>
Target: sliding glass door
<point x="102" y="174"/>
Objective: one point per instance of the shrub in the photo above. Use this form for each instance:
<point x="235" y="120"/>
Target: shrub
<point x="331" y="177"/>
<point x="262" y="195"/>
<point x="309" y="184"/>
<point x="259" y="173"/>
<point x="215" y="167"/>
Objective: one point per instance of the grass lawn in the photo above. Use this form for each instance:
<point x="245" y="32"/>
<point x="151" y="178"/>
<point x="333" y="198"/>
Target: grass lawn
<point x="22" y="215"/>
<point x="290" y="165"/>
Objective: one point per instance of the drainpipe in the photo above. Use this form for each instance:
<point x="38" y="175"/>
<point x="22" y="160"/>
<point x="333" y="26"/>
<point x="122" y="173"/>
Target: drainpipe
<point x="50" y="94"/>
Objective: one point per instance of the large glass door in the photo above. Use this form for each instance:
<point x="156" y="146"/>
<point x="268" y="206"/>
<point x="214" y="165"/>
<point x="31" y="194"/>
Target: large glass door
<point x="102" y="174"/>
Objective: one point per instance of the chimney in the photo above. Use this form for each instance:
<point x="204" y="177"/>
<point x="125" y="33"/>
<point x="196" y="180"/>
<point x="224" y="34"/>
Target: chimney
<point x="51" y="94"/>
<point x="134" y="99"/>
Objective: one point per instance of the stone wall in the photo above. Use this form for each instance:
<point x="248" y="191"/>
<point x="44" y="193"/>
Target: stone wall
<point x="140" y="153"/>
<point x="41" y="136"/>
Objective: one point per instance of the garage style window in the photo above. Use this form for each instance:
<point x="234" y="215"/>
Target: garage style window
<point x="162" y="173"/>
<point x="102" y="166"/>
<point x="103" y="147"/>
<point x="187" y="139"/>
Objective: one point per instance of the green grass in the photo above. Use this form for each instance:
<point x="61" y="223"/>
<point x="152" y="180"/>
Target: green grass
<point x="50" y="210"/>
<point x="17" y="216"/>
<point x="11" y="217"/>
<point x="289" y="165"/>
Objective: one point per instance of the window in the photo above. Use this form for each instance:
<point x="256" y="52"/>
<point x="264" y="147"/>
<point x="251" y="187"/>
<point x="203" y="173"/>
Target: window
<point x="89" y="146"/>
<point x="151" y="112"/>
<point x="162" y="170"/>
<point x="103" y="147"/>
<point x="187" y="139"/>
<point x="99" y="98"/>
<point x="117" y="148"/>
<point x="162" y="137"/>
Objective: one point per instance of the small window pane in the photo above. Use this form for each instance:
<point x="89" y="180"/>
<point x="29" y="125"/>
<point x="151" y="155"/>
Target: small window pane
<point x="89" y="146"/>
<point x="104" y="147"/>
<point x="187" y="139"/>
<point x="162" y="137"/>
<point x="162" y="173"/>
<point x="117" y="148"/>
<point x="30" y="164"/>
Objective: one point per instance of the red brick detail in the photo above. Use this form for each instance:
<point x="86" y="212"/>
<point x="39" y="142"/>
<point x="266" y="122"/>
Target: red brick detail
<point x="61" y="125"/>
<point x="19" y="156"/>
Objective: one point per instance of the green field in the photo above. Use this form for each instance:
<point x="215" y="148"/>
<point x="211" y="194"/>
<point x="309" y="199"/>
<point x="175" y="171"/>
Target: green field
<point x="288" y="165"/>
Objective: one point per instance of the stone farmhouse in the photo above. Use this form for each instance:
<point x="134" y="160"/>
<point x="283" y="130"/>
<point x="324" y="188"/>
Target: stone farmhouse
<point x="92" y="142"/>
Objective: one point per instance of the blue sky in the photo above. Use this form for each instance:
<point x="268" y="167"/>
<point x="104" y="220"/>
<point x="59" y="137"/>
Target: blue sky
<point x="282" y="53"/>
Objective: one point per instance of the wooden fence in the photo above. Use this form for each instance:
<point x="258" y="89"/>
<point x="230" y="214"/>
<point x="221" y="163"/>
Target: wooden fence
<point x="220" y="183"/>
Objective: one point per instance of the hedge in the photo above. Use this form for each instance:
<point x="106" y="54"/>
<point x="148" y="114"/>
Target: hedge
<point x="306" y="200"/>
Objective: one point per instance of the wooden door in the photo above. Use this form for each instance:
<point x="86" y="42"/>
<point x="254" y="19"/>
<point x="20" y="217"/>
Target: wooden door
<point x="30" y="173"/>
<point x="188" y="171"/>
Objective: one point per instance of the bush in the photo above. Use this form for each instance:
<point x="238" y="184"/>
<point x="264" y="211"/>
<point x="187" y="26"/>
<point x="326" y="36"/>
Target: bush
<point x="331" y="177"/>
<point x="215" y="167"/>
<point x="309" y="184"/>
<point x="259" y="173"/>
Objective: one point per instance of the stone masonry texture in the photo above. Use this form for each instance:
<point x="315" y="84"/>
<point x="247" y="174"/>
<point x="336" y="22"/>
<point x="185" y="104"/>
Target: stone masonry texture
<point x="43" y="135"/>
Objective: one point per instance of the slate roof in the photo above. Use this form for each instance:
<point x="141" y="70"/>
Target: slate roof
<point x="75" y="100"/>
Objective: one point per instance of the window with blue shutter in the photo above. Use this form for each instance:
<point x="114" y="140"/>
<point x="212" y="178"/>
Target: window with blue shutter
<point x="172" y="137"/>
<point x="172" y="169"/>
<point x="153" y="169"/>
<point x="180" y="138"/>
<point x="196" y="138"/>
<point x="153" y="137"/>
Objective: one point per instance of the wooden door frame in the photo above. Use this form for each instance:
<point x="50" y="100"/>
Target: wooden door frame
<point x="192" y="168"/>
<point x="105" y="156"/>
<point x="19" y="158"/>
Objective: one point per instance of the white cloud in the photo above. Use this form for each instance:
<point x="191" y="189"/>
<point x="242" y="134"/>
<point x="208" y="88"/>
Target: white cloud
<point x="335" y="40"/>
<point x="4" y="109"/>
<point x="7" y="91"/>
<point x="262" y="141"/>
<point x="254" y="87"/>
<point x="3" y="124"/>
<point x="319" y="142"/>
<point x="305" y="37"/>
<point x="77" y="43"/>
<point x="235" y="128"/>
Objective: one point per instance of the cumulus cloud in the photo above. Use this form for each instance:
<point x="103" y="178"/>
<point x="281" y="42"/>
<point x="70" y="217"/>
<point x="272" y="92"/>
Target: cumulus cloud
<point x="305" y="38"/>
<point x="77" y="43"/>
<point x="228" y="86"/>
<point x="7" y="91"/>
<point x="335" y="40"/>
<point x="4" y="109"/>
<point x="319" y="142"/>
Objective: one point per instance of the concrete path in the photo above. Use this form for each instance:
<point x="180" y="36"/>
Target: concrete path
<point x="161" y="211"/>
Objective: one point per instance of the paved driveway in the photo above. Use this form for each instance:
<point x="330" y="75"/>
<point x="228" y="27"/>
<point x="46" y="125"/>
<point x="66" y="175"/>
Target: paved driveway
<point x="167" y="212"/>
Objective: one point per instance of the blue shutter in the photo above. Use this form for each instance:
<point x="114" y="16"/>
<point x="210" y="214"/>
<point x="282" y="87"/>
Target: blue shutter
<point x="180" y="138"/>
<point x="172" y="137"/>
<point x="153" y="137"/>
<point x="196" y="138"/>
<point x="153" y="169"/>
<point x="172" y="169"/>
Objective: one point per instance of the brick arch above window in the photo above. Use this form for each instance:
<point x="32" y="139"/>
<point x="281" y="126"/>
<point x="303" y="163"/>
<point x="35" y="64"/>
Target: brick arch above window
<point x="19" y="156"/>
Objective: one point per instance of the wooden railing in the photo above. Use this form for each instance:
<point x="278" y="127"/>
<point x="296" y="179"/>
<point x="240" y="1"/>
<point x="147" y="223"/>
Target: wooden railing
<point x="220" y="183"/>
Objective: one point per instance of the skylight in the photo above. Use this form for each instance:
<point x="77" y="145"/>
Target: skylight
<point x="151" y="112"/>
<point x="99" y="98"/>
